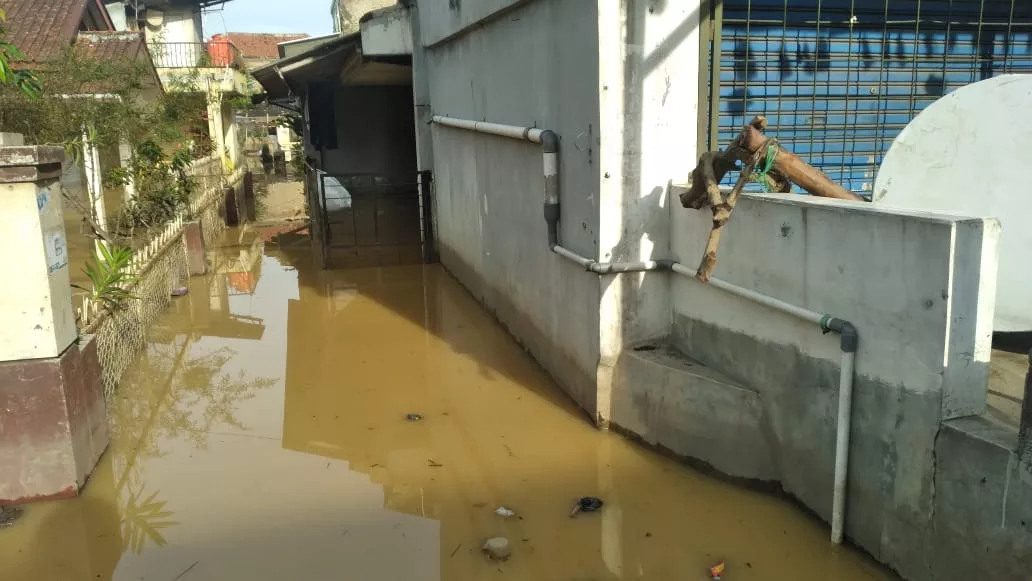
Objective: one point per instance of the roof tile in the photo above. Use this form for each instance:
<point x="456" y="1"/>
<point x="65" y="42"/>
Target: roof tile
<point x="41" y="29"/>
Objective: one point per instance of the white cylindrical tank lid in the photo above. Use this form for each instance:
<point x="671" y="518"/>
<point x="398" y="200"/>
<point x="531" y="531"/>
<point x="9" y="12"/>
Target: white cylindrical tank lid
<point x="967" y="154"/>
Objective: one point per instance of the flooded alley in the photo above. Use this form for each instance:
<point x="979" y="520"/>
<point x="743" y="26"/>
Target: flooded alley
<point x="287" y="422"/>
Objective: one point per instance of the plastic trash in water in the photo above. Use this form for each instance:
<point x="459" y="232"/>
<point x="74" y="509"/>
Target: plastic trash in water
<point x="716" y="571"/>
<point x="413" y="417"/>
<point x="506" y="512"/>
<point x="180" y="291"/>
<point x="497" y="548"/>
<point x="586" y="504"/>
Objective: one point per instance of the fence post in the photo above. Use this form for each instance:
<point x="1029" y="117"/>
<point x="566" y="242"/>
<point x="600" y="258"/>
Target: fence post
<point x="195" y="251"/>
<point x="249" y="203"/>
<point x="53" y="422"/>
<point x="232" y="208"/>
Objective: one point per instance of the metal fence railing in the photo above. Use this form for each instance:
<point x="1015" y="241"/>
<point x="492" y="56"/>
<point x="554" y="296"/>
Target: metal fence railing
<point x="839" y="79"/>
<point x="185" y="55"/>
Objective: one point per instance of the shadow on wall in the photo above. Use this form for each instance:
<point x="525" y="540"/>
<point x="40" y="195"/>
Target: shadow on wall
<point x="645" y="219"/>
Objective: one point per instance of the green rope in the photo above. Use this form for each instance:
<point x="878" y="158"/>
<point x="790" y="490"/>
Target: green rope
<point x="760" y="175"/>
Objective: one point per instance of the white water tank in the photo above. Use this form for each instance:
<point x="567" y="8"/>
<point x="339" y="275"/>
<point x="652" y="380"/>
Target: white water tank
<point x="968" y="153"/>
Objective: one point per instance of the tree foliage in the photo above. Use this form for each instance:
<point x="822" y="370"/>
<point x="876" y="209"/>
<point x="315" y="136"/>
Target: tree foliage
<point x="24" y="81"/>
<point x="163" y="177"/>
<point x="87" y="101"/>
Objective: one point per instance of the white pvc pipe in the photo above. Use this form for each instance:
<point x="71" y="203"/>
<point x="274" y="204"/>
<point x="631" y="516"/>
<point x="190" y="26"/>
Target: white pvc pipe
<point x="845" y="412"/>
<point x="804" y="314"/>
<point x="531" y="134"/>
<point x="848" y="357"/>
<point x="573" y="256"/>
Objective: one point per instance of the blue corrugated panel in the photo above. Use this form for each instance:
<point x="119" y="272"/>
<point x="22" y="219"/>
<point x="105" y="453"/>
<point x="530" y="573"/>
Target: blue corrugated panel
<point x="839" y="79"/>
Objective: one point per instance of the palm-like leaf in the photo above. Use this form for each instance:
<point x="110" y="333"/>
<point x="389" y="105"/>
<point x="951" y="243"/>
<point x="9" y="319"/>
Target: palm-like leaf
<point x="110" y="277"/>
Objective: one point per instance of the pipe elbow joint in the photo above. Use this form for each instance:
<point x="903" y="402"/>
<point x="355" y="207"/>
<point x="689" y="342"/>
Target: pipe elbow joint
<point x="549" y="141"/>
<point x="850" y="338"/>
<point x="665" y="264"/>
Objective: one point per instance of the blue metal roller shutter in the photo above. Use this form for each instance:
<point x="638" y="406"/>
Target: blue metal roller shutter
<point x="839" y="79"/>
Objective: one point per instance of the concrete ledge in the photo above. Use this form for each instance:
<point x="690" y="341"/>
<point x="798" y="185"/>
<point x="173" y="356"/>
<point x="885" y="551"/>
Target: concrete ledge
<point x="983" y="504"/>
<point x="668" y="400"/>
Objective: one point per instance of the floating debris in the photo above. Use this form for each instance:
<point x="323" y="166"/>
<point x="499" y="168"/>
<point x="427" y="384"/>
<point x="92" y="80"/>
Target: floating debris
<point x="716" y="571"/>
<point x="506" y="512"/>
<point x="497" y="548"/>
<point x="433" y="464"/>
<point x="180" y="291"/>
<point x="413" y="417"/>
<point x="586" y="504"/>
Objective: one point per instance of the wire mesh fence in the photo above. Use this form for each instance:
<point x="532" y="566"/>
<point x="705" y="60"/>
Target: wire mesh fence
<point x="159" y="266"/>
<point x="839" y="79"/>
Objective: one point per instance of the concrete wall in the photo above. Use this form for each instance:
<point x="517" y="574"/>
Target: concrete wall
<point x="918" y="287"/>
<point x="375" y="133"/>
<point x="181" y="24"/>
<point x="648" y="94"/>
<point x="347" y="13"/>
<point x="536" y="65"/>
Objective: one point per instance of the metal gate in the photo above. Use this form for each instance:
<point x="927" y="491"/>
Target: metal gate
<point x="370" y="220"/>
<point x="839" y="79"/>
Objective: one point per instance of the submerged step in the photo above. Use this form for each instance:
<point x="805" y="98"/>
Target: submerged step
<point x="671" y="401"/>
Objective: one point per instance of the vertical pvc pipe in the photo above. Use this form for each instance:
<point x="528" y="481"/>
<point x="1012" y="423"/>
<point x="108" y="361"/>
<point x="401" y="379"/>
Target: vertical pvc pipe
<point x="845" y="409"/>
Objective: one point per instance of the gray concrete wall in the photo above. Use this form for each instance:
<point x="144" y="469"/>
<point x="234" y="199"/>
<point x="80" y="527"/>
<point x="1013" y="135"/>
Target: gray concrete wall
<point x="982" y="527"/>
<point x="536" y="65"/>
<point x="919" y="289"/>
<point x="375" y="132"/>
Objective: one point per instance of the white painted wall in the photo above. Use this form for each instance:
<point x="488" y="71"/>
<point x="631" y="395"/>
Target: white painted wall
<point x="648" y="93"/>
<point x="535" y="66"/>
<point x="180" y="24"/>
<point x="36" y="318"/>
<point x="919" y="287"/>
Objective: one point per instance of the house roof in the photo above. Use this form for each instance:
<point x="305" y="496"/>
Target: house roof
<point x="112" y="46"/>
<point x="41" y="29"/>
<point x="259" y="45"/>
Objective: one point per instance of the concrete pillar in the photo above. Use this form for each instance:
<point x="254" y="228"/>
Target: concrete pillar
<point x="94" y="179"/>
<point x="53" y="423"/>
<point x="125" y="157"/>
<point x="648" y="77"/>
<point x="215" y="123"/>
<point x="196" y="252"/>
<point x="232" y="208"/>
<point x="251" y="210"/>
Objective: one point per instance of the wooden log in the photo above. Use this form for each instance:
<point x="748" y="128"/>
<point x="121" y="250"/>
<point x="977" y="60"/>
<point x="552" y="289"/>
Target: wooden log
<point x="721" y="216"/>
<point x="790" y="166"/>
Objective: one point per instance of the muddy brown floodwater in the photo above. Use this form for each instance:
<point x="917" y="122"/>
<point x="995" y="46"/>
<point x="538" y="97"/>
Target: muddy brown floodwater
<point x="263" y="436"/>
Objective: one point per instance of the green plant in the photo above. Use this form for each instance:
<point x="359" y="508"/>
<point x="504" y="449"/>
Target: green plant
<point x="161" y="180"/>
<point x="110" y="277"/>
<point x="24" y="80"/>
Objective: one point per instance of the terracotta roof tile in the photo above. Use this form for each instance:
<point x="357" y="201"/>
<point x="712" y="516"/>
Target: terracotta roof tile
<point x="42" y="28"/>
<point x="258" y="45"/>
<point x="110" y="45"/>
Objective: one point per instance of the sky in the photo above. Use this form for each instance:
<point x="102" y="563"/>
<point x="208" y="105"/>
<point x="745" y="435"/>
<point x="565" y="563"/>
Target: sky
<point x="276" y="16"/>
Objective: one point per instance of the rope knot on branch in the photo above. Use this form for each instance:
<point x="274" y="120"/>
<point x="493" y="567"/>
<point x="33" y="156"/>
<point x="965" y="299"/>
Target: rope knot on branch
<point x="762" y="160"/>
